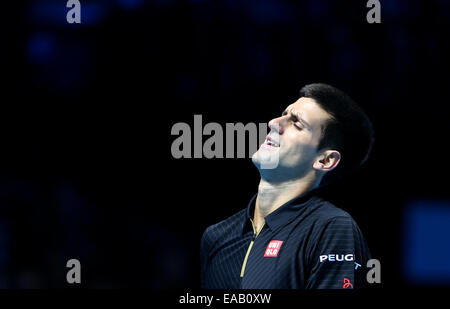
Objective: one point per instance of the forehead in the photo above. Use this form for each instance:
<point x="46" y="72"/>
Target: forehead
<point x="310" y="111"/>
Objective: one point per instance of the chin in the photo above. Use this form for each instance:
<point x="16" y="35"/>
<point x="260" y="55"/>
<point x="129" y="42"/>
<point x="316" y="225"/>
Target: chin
<point x="266" y="160"/>
<point x="255" y="160"/>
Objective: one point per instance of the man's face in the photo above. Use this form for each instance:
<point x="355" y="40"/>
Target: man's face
<point x="293" y="140"/>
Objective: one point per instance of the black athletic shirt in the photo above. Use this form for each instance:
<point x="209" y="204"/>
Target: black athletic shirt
<point x="307" y="243"/>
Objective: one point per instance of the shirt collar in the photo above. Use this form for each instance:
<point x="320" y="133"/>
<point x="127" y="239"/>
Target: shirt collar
<point x="283" y="214"/>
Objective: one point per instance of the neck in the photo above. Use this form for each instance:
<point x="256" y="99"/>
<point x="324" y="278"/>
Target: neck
<point x="272" y="195"/>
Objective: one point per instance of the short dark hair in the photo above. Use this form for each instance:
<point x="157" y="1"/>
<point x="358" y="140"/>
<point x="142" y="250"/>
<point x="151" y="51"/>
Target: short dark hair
<point x="348" y="131"/>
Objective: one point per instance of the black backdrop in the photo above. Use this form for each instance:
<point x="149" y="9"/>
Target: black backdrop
<point x="87" y="112"/>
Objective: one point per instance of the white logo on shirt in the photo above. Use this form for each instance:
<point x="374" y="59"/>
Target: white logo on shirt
<point x="336" y="257"/>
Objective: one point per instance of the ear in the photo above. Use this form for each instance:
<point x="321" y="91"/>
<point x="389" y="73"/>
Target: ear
<point x="327" y="161"/>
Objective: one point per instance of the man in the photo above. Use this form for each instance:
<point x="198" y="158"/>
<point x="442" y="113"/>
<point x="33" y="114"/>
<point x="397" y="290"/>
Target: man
<point x="288" y="237"/>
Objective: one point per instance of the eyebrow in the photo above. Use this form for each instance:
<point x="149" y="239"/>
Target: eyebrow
<point x="303" y="121"/>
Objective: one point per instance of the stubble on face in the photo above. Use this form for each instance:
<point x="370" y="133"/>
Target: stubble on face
<point x="300" y="128"/>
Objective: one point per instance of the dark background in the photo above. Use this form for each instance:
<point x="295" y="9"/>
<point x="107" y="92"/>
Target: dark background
<point x="86" y="114"/>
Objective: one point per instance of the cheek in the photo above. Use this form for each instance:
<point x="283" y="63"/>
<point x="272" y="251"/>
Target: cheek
<point x="298" y="147"/>
<point x="297" y="140"/>
<point x="292" y="137"/>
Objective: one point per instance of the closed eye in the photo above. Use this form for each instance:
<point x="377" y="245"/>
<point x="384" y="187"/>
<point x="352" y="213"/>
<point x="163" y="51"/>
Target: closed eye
<point x="294" y="119"/>
<point x="297" y="124"/>
<point x="300" y="123"/>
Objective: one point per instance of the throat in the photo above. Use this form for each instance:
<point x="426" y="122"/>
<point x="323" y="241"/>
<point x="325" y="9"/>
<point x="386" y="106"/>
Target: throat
<point x="272" y="196"/>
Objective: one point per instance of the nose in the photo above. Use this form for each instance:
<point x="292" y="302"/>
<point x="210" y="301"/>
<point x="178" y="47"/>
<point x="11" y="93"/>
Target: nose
<point x="278" y="124"/>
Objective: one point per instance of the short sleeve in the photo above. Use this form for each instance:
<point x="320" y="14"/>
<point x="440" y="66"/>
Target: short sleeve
<point x="338" y="256"/>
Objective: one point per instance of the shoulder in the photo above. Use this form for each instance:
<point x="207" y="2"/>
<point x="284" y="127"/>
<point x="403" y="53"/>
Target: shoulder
<point x="334" y="229"/>
<point x="327" y="212"/>
<point x="330" y="219"/>
<point x="229" y="226"/>
<point x="331" y="224"/>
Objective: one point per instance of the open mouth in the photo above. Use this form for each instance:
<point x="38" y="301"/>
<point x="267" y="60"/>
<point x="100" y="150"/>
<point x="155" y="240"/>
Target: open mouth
<point x="271" y="142"/>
